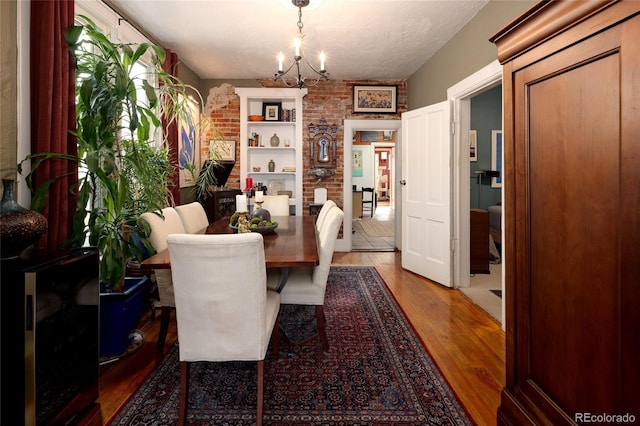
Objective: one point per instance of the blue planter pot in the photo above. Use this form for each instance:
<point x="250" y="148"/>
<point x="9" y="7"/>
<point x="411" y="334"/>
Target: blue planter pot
<point x="119" y="314"/>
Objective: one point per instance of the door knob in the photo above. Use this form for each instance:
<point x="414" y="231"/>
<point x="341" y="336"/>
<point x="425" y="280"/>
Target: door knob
<point x="403" y="182"/>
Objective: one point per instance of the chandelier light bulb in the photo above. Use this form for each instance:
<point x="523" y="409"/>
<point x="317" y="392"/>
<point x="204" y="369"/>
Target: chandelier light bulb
<point x="297" y="42"/>
<point x="299" y="81"/>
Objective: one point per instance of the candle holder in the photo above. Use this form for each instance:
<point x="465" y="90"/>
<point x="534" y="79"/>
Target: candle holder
<point x="243" y="222"/>
<point x="258" y="204"/>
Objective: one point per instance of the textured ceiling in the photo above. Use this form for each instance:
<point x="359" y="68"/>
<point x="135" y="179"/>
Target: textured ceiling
<point x="362" y="39"/>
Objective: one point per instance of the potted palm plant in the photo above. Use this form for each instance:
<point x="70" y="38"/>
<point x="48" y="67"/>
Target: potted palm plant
<point x="206" y="178"/>
<point x="123" y="170"/>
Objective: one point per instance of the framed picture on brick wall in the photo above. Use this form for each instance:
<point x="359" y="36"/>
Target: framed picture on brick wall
<point x="375" y="99"/>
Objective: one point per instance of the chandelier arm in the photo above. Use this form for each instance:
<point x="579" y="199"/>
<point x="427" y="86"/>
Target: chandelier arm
<point x="322" y="73"/>
<point x="281" y="74"/>
<point x="314" y="82"/>
<point x="299" y="80"/>
<point x="286" y="83"/>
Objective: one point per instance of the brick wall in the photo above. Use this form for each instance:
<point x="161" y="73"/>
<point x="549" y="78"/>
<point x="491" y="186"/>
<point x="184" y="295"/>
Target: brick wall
<point x="226" y="121"/>
<point x="329" y="100"/>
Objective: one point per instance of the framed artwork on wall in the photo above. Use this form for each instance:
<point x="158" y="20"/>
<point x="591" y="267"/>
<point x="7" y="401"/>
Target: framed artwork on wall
<point x="356" y="166"/>
<point x="188" y="145"/>
<point x="496" y="157"/>
<point x="375" y="99"/>
<point x="473" y="145"/>
<point x="369" y="136"/>
<point x="271" y="111"/>
<point x="226" y="149"/>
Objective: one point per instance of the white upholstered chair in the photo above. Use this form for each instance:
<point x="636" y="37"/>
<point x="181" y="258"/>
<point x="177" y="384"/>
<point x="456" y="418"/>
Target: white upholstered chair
<point x="307" y="286"/>
<point x="328" y="205"/>
<point x="193" y="216"/>
<point x="229" y="315"/>
<point x="161" y="226"/>
<point x="278" y="205"/>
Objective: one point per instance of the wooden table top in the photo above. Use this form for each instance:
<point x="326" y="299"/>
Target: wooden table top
<point x="291" y="244"/>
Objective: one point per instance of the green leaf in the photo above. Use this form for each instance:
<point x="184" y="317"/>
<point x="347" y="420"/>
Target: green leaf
<point x="150" y="92"/>
<point x="72" y="36"/>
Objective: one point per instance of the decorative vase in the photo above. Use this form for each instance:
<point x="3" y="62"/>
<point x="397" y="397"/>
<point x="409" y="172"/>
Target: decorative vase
<point x="275" y="140"/>
<point x="272" y="166"/>
<point x="19" y="227"/>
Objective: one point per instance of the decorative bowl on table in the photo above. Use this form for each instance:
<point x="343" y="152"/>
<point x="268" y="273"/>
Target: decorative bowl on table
<point x="261" y="229"/>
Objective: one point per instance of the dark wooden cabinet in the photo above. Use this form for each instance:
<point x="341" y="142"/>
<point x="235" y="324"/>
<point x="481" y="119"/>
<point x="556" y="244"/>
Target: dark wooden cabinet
<point x="219" y="204"/>
<point x="49" y="320"/>
<point x="572" y="212"/>
<point x="479" y="242"/>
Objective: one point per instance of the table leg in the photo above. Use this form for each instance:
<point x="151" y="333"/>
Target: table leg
<point x="283" y="280"/>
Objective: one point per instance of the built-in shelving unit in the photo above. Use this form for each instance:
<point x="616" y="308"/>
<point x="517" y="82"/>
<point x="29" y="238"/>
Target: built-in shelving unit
<point x="287" y="156"/>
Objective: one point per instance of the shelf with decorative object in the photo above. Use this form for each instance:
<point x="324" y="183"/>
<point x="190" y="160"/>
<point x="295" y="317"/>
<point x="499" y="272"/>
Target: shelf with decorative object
<point x="271" y="148"/>
<point x="254" y="174"/>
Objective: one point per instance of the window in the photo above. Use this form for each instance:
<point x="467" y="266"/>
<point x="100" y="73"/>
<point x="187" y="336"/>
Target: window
<point x="117" y="29"/>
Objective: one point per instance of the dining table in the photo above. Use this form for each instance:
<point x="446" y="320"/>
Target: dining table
<point x="292" y="243"/>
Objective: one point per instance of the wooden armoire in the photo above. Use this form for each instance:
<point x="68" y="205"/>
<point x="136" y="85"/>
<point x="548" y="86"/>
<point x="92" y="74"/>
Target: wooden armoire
<point x="572" y="212"/>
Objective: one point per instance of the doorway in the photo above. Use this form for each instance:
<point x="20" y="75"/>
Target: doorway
<point x="460" y="96"/>
<point x="350" y="127"/>
<point x="374" y="223"/>
<point x="485" y="284"/>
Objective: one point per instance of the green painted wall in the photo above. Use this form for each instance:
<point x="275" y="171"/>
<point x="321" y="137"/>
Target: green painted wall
<point x="467" y="52"/>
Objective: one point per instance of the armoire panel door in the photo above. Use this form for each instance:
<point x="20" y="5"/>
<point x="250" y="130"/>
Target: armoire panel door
<point x="574" y="211"/>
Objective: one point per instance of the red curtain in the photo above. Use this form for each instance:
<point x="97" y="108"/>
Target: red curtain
<point x="53" y="112"/>
<point x="170" y="66"/>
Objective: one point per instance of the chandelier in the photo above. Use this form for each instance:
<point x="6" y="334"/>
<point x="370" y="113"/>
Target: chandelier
<point x="299" y="81"/>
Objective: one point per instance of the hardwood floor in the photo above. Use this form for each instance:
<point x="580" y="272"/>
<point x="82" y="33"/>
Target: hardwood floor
<point x="465" y="342"/>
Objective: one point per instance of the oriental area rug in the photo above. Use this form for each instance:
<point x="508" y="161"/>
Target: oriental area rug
<point x="376" y="372"/>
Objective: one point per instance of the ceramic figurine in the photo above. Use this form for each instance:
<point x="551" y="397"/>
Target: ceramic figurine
<point x="243" y="223"/>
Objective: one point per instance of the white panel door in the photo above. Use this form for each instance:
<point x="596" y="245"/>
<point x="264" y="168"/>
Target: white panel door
<point x="426" y="195"/>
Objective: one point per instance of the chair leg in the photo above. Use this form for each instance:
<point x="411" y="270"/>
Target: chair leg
<point x="184" y="393"/>
<point x="320" y="320"/>
<point x="260" y="392"/>
<point x="374" y="203"/>
<point x="275" y="338"/>
<point x="165" y="316"/>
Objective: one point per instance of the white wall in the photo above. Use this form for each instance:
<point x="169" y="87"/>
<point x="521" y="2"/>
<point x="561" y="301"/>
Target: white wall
<point x="367" y="167"/>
